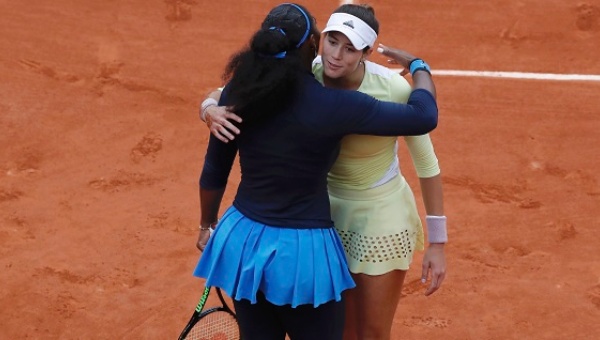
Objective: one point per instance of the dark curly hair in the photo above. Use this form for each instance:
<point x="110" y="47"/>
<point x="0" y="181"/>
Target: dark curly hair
<point x="263" y="76"/>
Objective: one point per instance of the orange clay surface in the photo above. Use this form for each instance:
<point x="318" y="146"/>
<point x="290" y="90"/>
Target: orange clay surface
<point x="101" y="148"/>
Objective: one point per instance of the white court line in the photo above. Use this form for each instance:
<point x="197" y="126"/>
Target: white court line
<point x="515" y="75"/>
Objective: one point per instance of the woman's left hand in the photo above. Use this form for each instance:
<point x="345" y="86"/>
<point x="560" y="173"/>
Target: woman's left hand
<point x="434" y="267"/>
<point x="219" y="121"/>
<point x="399" y="57"/>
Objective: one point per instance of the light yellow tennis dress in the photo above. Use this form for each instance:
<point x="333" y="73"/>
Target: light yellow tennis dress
<point x="372" y="206"/>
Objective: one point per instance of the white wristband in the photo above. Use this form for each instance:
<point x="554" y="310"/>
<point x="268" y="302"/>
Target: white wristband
<point x="436" y="229"/>
<point x="205" y="104"/>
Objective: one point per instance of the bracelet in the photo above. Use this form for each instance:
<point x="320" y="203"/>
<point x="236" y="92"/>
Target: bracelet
<point x="418" y="65"/>
<point x="211" y="227"/>
<point x="205" y="105"/>
<point x="436" y="229"/>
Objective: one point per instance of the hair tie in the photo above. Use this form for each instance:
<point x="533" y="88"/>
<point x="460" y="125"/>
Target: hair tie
<point x="279" y="55"/>
<point x="273" y="28"/>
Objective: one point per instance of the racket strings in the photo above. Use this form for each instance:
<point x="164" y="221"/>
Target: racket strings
<point x="217" y="325"/>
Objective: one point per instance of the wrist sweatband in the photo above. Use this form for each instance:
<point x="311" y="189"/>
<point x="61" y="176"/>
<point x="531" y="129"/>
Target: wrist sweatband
<point x="418" y="64"/>
<point x="436" y="229"/>
<point x="205" y="104"/>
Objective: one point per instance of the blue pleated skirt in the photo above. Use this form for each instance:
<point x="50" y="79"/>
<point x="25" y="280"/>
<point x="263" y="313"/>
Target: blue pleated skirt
<point x="290" y="266"/>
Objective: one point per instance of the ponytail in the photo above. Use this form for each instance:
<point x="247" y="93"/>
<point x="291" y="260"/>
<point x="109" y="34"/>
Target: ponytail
<point x="263" y="77"/>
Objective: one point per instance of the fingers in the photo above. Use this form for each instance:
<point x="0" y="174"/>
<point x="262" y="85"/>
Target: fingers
<point x="392" y="53"/>
<point x="220" y="122"/>
<point x="383" y="49"/>
<point x="404" y="71"/>
<point x="202" y="239"/>
<point x="223" y="128"/>
<point x="228" y="125"/>
<point x="226" y="134"/>
<point x="436" y="283"/>
<point x="437" y="277"/>
<point x="201" y="245"/>
<point x="424" y="272"/>
<point x="400" y="57"/>
<point x="222" y="133"/>
<point x="233" y="116"/>
<point x="388" y="51"/>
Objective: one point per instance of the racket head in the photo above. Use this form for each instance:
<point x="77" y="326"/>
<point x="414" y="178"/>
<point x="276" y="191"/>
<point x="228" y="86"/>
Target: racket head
<point x="217" y="323"/>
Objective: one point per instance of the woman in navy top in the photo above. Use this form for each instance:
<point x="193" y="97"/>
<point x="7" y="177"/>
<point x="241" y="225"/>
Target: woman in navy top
<point x="275" y="251"/>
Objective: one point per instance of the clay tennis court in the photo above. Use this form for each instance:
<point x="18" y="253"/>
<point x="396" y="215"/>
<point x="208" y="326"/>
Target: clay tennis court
<point x="101" y="148"/>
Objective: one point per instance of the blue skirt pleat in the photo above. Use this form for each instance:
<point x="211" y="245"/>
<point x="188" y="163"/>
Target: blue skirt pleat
<point x="290" y="266"/>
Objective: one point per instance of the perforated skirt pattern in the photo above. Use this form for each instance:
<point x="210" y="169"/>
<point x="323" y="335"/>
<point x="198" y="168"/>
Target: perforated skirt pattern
<point x="380" y="227"/>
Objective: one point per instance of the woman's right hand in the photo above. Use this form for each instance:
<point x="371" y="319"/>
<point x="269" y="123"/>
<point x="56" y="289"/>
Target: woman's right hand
<point x="202" y="239"/>
<point x="219" y="122"/>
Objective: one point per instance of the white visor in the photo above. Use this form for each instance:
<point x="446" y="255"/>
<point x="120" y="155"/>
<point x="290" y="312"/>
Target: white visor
<point x="360" y="34"/>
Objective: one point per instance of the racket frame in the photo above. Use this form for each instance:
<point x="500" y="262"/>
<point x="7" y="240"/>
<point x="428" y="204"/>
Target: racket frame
<point x="199" y="313"/>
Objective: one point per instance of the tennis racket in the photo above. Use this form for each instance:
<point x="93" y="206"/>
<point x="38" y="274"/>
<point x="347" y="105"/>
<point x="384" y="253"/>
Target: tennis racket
<point x="217" y="323"/>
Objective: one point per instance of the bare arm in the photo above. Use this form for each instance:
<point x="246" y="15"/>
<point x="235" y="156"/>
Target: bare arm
<point x="434" y="261"/>
<point x="219" y="120"/>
